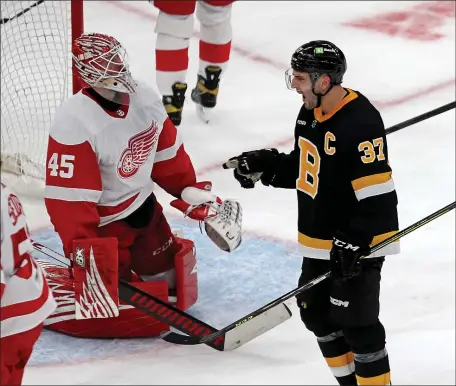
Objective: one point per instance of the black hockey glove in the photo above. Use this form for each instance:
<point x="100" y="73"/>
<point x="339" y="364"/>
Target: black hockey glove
<point x="345" y="256"/>
<point x="247" y="181"/>
<point x="250" y="166"/>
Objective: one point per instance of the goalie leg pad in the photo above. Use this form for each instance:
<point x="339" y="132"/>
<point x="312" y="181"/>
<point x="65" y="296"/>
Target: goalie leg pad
<point x="182" y="280"/>
<point x="186" y="274"/>
<point x="96" y="278"/>
<point x="131" y="322"/>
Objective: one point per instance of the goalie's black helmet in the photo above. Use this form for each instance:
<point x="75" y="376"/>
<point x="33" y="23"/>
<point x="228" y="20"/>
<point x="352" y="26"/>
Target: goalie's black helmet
<point x="320" y="57"/>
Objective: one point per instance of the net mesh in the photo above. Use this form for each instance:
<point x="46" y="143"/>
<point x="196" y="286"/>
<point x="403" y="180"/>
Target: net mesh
<point x="35" y="79"/>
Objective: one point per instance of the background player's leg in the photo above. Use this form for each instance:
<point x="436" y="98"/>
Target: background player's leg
<point x="214" y="50"/>
<point x="174" y="28"/>
<point x="314" y="307"/>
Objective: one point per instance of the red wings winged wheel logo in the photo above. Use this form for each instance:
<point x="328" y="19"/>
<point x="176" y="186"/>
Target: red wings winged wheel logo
<point x="139" y="148"/>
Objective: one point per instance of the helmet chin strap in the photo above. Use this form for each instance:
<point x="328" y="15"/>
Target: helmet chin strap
<point x="319" y="95"/>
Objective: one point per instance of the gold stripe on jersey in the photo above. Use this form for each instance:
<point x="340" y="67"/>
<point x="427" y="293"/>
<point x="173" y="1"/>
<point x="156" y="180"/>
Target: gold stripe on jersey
<point x="373" y="185"/>
<point x="313" y="242"/>
<point x="318" y="114"/>
<point x="371" y="180"/>
<point x="383" y="379"/>
<point x="319" y="248"/>
<point x="315" y="248"/>
<point x="379" y="238"/>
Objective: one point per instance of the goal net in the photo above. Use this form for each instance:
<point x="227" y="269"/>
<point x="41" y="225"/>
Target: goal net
<point x="36" y="76"/>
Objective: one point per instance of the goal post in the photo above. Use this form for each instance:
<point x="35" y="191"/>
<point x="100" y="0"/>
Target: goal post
<point x="77" y="28"/>
<point x="36" y="76"/>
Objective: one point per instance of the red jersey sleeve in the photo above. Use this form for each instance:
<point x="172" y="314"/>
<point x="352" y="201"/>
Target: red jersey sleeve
<point x="73" y="186"/>
<point x="173" y="170"/>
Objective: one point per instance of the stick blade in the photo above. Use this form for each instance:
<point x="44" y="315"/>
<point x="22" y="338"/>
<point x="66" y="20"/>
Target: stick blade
<point x="256" y="326"/>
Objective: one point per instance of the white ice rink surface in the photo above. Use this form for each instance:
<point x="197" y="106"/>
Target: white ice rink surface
<point x="404" y="77"/>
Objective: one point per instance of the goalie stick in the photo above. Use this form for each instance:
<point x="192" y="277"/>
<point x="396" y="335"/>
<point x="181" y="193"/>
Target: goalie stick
<point x="243" y="323"/>
<point x="180" y="320"/>
<point x="241" y="331"/>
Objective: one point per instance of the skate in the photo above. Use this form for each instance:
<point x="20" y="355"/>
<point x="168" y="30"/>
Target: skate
<point x="205" y="93"/>
<point x="174" y="104"/>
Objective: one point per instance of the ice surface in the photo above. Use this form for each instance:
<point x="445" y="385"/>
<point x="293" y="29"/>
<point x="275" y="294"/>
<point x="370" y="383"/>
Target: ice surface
<point x="404" y="78"/>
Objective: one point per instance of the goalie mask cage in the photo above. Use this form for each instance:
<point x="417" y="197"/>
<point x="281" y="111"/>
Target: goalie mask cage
<point x="36" y="76"/>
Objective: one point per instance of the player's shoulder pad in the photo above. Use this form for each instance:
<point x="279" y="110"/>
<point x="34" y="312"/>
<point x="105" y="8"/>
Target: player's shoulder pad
<point x="364" y="111"/>
<point x="364" y="121"/>
<point x="73" y="122"/>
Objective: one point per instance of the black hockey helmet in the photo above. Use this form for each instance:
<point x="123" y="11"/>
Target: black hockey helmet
<point x="320" y="57"/>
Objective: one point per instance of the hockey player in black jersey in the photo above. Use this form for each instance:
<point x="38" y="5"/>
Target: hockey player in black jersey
<point x="346" y="201"/>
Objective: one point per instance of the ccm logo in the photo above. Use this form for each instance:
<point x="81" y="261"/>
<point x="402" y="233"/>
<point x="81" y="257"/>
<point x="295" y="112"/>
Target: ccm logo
<point x="344" y="245"/>
<point x="163" y="248"/>
<point x="338" y="302"/>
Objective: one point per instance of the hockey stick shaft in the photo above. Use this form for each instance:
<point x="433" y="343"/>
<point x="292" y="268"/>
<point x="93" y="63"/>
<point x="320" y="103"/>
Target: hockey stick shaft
<point x="421" y="117"/>
<point x="168" y="314"/>
<point x="149" y="304"/>
<point x="51" y="253"/>
<point x="414" y="227"/>
<point x="181" y="339"/>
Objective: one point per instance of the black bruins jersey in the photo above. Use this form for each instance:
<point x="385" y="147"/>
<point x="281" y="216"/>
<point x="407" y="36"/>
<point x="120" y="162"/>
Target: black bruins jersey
<point x="340" y="170"/>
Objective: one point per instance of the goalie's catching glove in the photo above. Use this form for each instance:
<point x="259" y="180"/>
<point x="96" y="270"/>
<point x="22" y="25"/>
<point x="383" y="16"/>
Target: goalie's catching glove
<point x="222" y="218"/>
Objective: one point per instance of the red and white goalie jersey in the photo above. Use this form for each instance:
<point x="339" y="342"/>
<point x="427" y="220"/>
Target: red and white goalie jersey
<point x="102" y="164"/>
<point x="26" y="300"/>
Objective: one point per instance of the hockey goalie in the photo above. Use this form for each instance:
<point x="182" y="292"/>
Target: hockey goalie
<point x="108" y="146"/>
